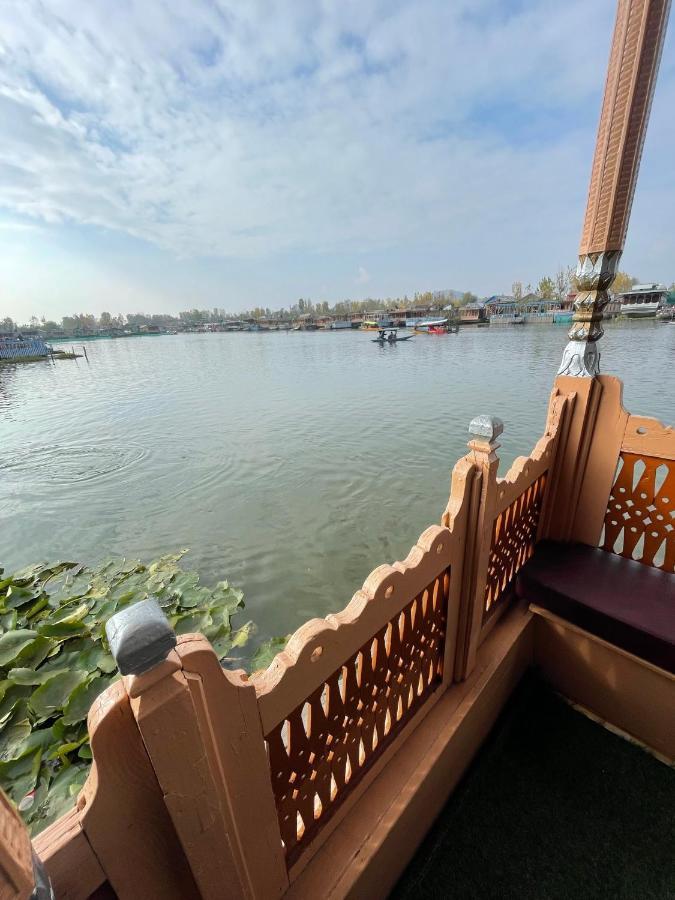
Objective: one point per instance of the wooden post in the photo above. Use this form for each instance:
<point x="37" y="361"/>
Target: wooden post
<point x="586" y="458"/>
<point x="202" y="731"/>
<point x="484" y="431"/>
<point x="17" y="879"/>
<point x="631" y="75"/>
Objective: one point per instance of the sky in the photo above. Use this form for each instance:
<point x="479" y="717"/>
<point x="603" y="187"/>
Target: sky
<point x="164" y="154"/>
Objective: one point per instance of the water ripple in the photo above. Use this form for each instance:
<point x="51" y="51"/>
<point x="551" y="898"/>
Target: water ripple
<point x="56" y="465"/>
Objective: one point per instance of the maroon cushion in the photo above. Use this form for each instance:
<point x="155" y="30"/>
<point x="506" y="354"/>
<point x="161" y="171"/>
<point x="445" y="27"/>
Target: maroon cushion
<point x="627" y="604"/>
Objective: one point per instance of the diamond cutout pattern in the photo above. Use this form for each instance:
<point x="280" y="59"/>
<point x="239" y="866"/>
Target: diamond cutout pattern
<point x="514" y="535"/>
<point x="322" y="749"/>
<point x="640" y="511"/>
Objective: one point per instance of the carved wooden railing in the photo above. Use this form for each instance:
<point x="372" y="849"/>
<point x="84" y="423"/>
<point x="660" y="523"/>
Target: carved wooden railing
<point x="640" y="517"/>
<point x="507" y="517"/>
<point x="346" y="687"/>
<point x="216" y="778"/>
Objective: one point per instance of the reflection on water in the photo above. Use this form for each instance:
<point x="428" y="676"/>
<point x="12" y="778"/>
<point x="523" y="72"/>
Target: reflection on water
<point x="290" y="463"/>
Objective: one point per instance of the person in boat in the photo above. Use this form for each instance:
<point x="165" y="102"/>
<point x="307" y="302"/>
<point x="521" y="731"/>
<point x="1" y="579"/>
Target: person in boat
<point x="392" y="337"/>
<point x="382" y="334"/>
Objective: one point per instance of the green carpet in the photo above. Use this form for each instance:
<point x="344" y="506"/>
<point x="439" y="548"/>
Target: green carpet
<point x="554" y="806"/>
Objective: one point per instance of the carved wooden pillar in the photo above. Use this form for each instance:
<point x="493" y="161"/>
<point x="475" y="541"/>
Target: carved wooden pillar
<point x="202" y="731"/>
<point x="633" y="64"/>
<point x="484" y="431"/>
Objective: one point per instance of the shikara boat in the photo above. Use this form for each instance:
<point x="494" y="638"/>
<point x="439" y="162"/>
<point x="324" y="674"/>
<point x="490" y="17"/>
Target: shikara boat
<point x="392" y="337"/>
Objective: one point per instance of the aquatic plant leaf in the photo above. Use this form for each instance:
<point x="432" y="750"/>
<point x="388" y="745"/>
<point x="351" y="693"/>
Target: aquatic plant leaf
<point x="61" y="630"/>
<point x="12" y="737"/>
<point x="8" y="620"/>
<point x="31" y="676"/>
<point x="70" y="614"/>
<point x="12" y="643"/>
<point x="63" y="790"/>
<point x="192" y="623"/>
<point x="241" y="636"/>
<point x="266" y="652"/>
<point x="54" y="693"/>
<point x="55" y="661"/>
<point x="13" y="697"/>
<point x="81" y="699"/>
<point x="20" y="775"/>
<point x="19" y="596"/>
<point x="36" y="652"/>
<point x="221" y="647"/>
<point x="195" y="596"/>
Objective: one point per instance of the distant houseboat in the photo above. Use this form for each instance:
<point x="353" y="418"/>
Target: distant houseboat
<point x="19" y="346"/>
<point x="642" y="301"/>
<point x="474" y="314"/>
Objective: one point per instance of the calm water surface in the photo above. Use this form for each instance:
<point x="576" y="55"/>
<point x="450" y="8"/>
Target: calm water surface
<point x="291" y="464"/>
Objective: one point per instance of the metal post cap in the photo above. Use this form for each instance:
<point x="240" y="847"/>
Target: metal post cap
<point x="140" y="637"/>
<point x="484" y="426"/>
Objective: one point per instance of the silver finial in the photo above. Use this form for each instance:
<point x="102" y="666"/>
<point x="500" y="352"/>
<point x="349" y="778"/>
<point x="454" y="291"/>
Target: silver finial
<point x="140" y="637"/>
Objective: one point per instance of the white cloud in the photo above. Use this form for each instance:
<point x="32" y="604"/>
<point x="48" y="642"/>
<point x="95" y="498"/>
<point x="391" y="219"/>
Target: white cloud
<point x="362" y="276"/>
<point x="248" y="130"/>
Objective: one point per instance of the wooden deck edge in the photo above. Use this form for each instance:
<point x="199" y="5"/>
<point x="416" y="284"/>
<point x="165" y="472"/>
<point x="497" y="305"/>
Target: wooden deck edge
<point x="70" y="862"/>
<point x="366" y="856"/>
<point x="627" y="693"/>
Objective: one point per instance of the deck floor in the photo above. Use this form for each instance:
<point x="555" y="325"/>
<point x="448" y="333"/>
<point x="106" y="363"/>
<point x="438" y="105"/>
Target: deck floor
<point x="555" y="806"/>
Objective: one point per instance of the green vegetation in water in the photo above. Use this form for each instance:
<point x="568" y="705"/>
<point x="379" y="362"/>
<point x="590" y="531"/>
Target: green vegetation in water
<point x="55" y="661"/>
<point x="57" y="354"/>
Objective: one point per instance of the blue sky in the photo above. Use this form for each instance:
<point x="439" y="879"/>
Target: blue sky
<point x="156" y="156"/>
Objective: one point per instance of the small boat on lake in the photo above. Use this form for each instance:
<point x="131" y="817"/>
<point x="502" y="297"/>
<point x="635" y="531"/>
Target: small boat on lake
<point x="432" y="326"/>
<point x="391" y="336"/>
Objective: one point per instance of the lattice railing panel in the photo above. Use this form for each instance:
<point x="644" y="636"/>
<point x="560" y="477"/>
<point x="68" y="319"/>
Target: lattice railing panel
<point x="322" y="749"/>
<point x="514" y="535"/>
<point x="640" y="517"/>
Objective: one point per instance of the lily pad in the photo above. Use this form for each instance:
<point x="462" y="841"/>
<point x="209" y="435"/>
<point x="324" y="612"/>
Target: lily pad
<point x="12" y="738"/>
<point x="82" y="698"/>
<point x="12" y="643"/>
<point x="55" y="693"/>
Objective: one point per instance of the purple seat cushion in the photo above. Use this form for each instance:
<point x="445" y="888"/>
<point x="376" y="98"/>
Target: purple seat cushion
<point x="619" y="600"/>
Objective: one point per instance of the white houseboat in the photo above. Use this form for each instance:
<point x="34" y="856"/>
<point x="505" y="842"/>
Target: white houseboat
<point x="642" y="301"/>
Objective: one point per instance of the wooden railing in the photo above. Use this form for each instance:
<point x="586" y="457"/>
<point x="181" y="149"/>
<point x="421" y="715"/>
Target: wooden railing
<point x="335" y="703"/>
<point x="217" y="778"/>
<point x="640" y="517"/>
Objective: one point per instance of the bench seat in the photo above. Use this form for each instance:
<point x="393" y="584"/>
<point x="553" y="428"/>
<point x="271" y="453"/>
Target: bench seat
<point x="619" y="600"/>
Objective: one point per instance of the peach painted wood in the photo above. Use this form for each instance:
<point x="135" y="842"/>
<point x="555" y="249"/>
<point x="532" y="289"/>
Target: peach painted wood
<point x="484" y="457"/>
<point x="393" y="814"/>
<point x="229" y="723"/>
<point x="121" y="809"/>
<point x="640" y="517"/>
<point x="631" y="75"/>
<point x="371" y="669"/>
<point x="16" y="865"/>
<point x="625" y="691"/>
<point x="169" y="724"/>
<point x="506" y="524"/>
<point x="605" y="431"/>
<point x="464" y="493"/>
<point x="466" y="484"/>
<point x="649" y="437"/>
<point x="320" y="647"/>
<point x="574" y="445"/>
<point x="71" y="864"/>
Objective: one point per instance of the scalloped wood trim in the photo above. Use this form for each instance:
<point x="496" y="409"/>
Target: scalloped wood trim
<point x="649" y="437"/>
<point x="319" y="647"/>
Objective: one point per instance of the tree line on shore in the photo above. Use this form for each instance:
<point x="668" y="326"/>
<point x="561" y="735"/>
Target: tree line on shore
<point x="554" y="287"/>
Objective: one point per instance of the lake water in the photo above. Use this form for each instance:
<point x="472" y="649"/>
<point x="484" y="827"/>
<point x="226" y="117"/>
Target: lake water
<point x="291" y="464"/>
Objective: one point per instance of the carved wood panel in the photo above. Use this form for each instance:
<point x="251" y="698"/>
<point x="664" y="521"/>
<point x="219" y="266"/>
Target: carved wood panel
<point x="321" y="750"/>
<point x="640" y="518"/>
<point x="514" y="535"/>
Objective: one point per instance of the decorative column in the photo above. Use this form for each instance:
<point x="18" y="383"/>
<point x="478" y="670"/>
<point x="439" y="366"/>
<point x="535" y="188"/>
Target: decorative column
<point x="633" y="64"/>
<point x="484" y="431"/>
